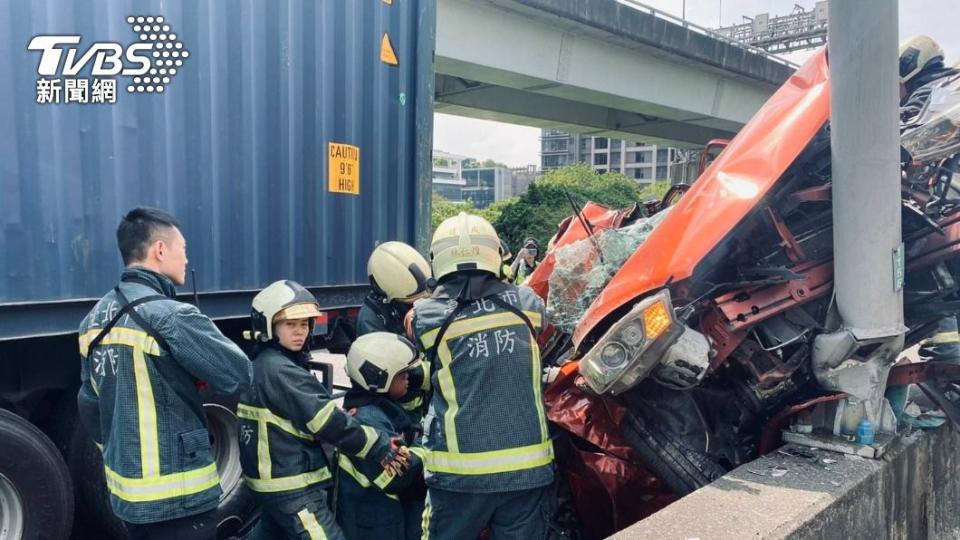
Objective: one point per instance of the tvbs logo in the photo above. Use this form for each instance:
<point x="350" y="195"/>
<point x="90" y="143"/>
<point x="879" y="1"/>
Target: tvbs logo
<point x="150" y="63"/>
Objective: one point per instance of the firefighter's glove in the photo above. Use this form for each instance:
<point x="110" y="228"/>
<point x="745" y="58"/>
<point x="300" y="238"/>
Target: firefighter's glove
<point x="398" y="459"/>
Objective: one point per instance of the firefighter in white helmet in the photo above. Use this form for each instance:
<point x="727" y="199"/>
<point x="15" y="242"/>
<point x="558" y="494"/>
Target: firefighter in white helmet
<point x="489" y="459"/>
<point x="372" y="504"/>
<point x="399" y="275"/>
<point x="921" y="58"/>
<point x="285" y="416"/>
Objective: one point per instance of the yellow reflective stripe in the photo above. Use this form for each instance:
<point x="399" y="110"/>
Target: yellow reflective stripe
<point x="427" y="339"/>
<point x="347" y="466"/>
<point x="372" y="437"/>
<point x="264" y="465"/>
<point x="425" y="524"/>
<point x="257" y="413"/>
<point x="943" y="338"/>
<point x="412" y="404"/>
<point x="418" y="451"/>
<point x="309" y="522"/>
<point x="470" y="325"/>
<point x="162" y="487"/>
<point x="538" y="389"/>
<point x="497" y="461"/>
<point x="146" y="416"/>
<point x="449" y="392"/>
<point x="322" y="416"/>
<point x="93" y="384"/>
<point x="383" y="479"/>
<point x="85" y="339"/>
<point x="130" y="337"/>
<point x="286" y="483"/>
<point x="426" y="373"/>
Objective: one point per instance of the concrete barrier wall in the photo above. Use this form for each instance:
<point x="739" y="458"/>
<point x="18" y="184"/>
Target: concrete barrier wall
<point x="912" y="493"/>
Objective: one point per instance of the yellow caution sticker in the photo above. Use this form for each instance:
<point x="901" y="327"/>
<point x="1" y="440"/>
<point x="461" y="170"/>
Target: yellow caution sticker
<point x="387" y="56"/>
<point x="344" y="168"/>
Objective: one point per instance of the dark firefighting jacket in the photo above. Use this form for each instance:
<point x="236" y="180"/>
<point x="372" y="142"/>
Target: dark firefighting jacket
<point x="486" y="429"/>
<point x="285" y="416"/>
<point x="373" y="503"/>
<point x="139" y="400"/>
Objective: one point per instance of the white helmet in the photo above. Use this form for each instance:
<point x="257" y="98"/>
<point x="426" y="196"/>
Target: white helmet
<point x="397" y="271"/>
<point x="375" y="359"/>
<point x="465" y="242"/>
<point x="917" y="53"/>
<point x="281" y="301"/>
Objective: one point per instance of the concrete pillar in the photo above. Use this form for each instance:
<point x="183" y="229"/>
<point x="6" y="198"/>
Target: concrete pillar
<point x="866" y="173"/>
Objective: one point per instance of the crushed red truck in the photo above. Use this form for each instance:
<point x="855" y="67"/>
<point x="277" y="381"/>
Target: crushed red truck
<point x="684" y="328"/>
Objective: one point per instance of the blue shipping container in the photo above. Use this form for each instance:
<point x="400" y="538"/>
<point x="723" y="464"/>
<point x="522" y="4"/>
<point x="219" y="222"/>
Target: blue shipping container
<point x="236" y="145"/>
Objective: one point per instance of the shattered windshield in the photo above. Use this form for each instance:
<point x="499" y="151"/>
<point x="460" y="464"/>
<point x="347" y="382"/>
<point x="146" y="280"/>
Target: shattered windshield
<point x="579" y="276"/>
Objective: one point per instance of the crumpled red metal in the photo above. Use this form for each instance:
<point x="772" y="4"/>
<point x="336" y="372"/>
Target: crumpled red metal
<point x="611" y="487"/>
<point x="730" y="188"/>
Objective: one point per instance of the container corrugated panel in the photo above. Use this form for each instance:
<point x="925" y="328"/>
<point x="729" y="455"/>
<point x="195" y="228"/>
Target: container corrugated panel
<point x="235" y="147"/>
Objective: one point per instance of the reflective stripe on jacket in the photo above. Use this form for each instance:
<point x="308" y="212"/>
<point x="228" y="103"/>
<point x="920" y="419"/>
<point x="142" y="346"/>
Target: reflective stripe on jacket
<point x="486" y="428"/>
<point x="284" y="417"/>
<point x="140" y="403"/>
<point x="373" y="503"/>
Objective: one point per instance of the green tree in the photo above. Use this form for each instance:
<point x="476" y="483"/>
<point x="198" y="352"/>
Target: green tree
<point x="537" y="212"/>
<point x="492" y="163"/>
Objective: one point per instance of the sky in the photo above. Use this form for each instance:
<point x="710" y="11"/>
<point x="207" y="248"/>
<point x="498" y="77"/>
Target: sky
<point x="520" y="145"/>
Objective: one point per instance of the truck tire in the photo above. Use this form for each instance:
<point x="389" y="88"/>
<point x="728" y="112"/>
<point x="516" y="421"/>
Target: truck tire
<point x="237" y="506"/>
<point x="236" y="509"/>
<point x="680" y="467"/>
<point x="36" y="494"/>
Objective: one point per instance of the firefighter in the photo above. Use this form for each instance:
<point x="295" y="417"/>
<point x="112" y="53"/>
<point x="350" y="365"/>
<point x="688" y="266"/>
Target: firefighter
<point x="372" y="504"/>
<point x="398" y="275"/>
<point x="921" y="70"/>
<point x="287" y="414"/>
<point x="921" y="61"/>
<point x="142" y="355"/>
<point x="489" y="459"/>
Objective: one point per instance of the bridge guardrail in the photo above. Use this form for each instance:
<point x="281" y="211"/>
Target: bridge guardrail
<point x="706" y="31"/>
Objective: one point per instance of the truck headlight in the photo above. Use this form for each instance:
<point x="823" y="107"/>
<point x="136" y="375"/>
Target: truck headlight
<point x="633" y="346"/>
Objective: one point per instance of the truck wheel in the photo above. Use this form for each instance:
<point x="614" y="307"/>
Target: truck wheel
<point x="682" y="469"/>
<point x="36" y="495"/>
<point x="236" y="506"/>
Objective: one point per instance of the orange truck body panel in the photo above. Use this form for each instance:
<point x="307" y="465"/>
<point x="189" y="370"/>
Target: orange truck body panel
<point x="727" y="191"/>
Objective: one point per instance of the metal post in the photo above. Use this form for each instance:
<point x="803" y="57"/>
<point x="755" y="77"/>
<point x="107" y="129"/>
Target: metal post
<point x="864" y="144"/>
<point x="867" y="244"/>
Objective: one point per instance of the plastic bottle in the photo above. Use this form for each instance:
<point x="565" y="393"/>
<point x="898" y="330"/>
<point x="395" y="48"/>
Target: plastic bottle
<point x="865" y="432"/>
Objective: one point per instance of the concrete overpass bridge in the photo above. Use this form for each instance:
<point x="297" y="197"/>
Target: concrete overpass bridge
<point x="604" y="67"/>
